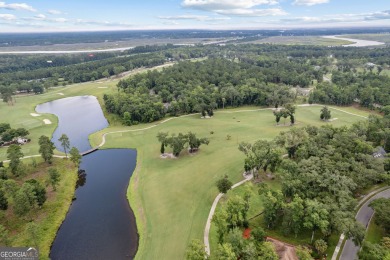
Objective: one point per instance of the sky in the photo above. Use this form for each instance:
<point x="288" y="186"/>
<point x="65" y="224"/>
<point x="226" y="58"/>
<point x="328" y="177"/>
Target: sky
<point x="94" y="15"/>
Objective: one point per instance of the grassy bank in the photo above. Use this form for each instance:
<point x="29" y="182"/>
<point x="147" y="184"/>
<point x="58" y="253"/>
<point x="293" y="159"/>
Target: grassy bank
<point x="49" y="218"/>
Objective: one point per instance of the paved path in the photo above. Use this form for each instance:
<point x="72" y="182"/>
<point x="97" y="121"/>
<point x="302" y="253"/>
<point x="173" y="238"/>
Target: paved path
<point x="364" y="215"/>
<point x="212" y="211"/>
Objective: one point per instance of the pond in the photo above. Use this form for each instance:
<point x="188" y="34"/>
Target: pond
<point x="78" y="118"/>
<point x="100" y="223"/>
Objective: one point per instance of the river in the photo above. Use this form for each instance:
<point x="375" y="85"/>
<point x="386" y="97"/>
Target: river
<point x="67" y="52"/>
<point x="356" y="42"/>
<point x="100" y="223"/>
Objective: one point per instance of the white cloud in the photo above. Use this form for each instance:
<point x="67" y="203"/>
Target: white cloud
<point x="235" y="7"/>
<point x="59" y="20"/>
<point x="211" y="5"/>
<point x="194" y="17"/>
<point x="40" y="17"/>
<point x="253" y="12"/>
<point x="17" y="6"/>
<point x="7" y="17"/>
<point x="310" y="2"/>
<point x="55" y="12"/>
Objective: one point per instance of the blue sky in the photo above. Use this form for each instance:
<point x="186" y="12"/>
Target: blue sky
<point x="82" y="15"/>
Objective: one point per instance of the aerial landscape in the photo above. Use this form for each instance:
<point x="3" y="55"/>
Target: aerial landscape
<point x="195" y="129"/>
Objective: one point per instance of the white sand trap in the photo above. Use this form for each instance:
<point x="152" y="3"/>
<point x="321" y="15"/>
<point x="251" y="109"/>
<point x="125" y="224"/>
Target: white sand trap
<point x="102" y="87"/>
<point x="332" y="119"/>
<point x="61" y="94"/>
<point x="34" y="115"/>
<point x="47" y="121"/>
<point x="99" y="82"/>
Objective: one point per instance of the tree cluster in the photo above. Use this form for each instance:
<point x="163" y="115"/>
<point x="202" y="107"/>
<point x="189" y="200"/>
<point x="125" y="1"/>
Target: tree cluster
<point x="9" y="135"/>
<point x="180" y="141"/>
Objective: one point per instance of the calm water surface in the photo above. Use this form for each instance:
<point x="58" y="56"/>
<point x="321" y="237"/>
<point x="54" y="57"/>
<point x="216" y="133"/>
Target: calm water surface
<point x="100" y="223"/>
<point x="78" y="118"/>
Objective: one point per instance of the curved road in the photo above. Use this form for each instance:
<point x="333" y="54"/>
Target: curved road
<point x="363" y="216"/>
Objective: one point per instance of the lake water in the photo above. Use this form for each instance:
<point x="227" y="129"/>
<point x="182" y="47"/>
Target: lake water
<point x="356" y="42"/>
<point x="100" y="223"/>
<point x="78" y="118"/>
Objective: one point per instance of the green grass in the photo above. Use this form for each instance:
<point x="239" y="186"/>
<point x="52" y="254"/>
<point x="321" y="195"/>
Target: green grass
<point x="48" y="218"/>
<point x="179" y="192"/>
<point x="302" y="40"/>
<point x="374" y="233"/>
<point x="172" y="197"/>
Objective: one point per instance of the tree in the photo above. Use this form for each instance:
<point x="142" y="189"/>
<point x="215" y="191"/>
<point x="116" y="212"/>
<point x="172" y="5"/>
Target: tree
<point x="4" y="236"/>
<point x="303" y="253"/>
<point x="225" y="252"/>
<point x="258" y="234"/>
<point x="294" y="214"/>
<point x="291" y="140"/>
<point x="325" y="113"/>
<point x="75" y="156"/>
<point x="224" y="184"/>
<point x="316" y="217"/>
<point x="195" y="142"/>
<point x="24" y="200"/>
<point x="14" y="153"/>
<point x="65" y="143"/>
<point x="196" y="251"/>
<point x="3" y="201"/>
<point x="236" y="211"/>
<point x="355" y="231"/>
<point x="162" y="149"/>
<point x="267" y="251"/>
<point x="273" y="205"/>
<point x="53" y="177"/>
<point x="235" y="239"/>
<point x="278" y="114"/>
<point x="46" y="148"/>
<point x="262" y="154"/>
<point x="321" y="246"/>
<point x="219" y="219"/>
<point x="382" y="212"/>
<point x="39" y="191"/>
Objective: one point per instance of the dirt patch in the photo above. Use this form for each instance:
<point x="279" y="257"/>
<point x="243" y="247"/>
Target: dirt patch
<point x="167" y="156"/>
<point x="284" y="251"/>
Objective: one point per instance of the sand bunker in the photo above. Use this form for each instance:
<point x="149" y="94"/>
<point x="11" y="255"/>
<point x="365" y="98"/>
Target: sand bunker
<point x="34" y="115"/>
<point x="102" y="87"/>
<point x="47" y="121"/>
<point x="61" y="94"/>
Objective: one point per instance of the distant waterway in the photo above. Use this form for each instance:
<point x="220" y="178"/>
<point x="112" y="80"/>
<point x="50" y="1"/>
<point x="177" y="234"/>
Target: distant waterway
<point x="78" y="118"/>
<point x="356" y="42"/>
<point x="67" y="52"/>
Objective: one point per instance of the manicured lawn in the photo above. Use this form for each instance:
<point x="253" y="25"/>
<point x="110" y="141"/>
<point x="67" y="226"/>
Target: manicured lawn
<point x="172" y="197"/>
<point x="48" y="218"/>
